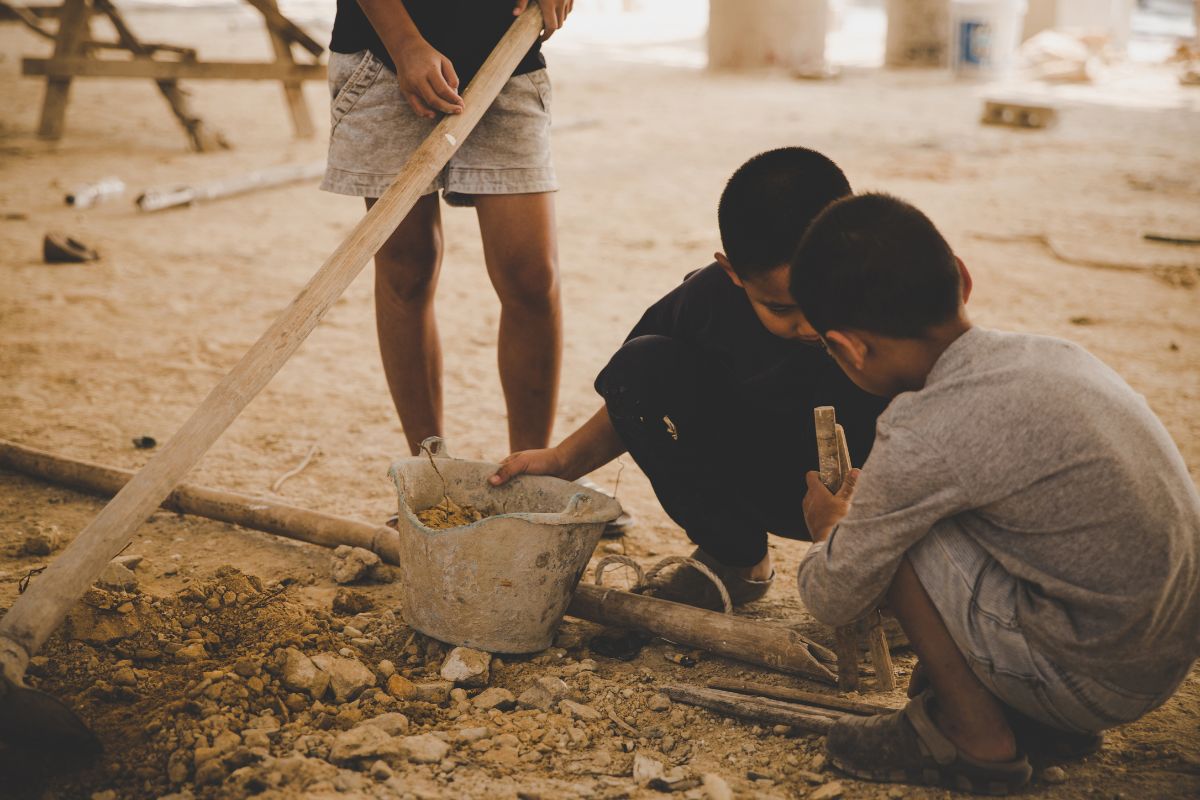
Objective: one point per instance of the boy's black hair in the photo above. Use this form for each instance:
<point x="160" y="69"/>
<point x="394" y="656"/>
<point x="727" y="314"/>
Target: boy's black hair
<point x="770" y="201"/>
<point x="875" y="263"/>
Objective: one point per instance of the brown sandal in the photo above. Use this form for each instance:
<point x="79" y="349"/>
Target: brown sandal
<point x="907" y="747"/>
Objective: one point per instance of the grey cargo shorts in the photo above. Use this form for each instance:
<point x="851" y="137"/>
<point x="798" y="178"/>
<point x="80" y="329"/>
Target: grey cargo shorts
<point x="374" y="131"/>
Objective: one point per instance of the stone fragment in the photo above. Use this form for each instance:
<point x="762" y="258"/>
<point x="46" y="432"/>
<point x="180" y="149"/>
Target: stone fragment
<point x="210" y="773"/>
<point x="42" y="542"/>
<point x="246" y="667"/>
<point x="471" y="735"/>
<point x="466" y="667"/>
<point x="1054" y="775"/>
<point x="424" y="749"/>
<point x="392" y="723"/>
<point x="436" y="692"/>
<point x="646" y="769"/>
<point x="179" y="765"/>
<point x="579" y="711"/>
<point x="349" y="602"/>
<point x="380" y="771"/>
<point x="256" y="738"/>
<point x="348" y="677"/>
<point x="361" y="742"/>
<point x="352" y="564"/>
<point x="544" y="693"/>
<point x="301" y="674"/>
<point x="386" y="669"/>
<point x="494" y="697"/>
<point x="830" y="791"/>
<point x="191" y="652"/>
<point x="715" y="787"/>
<point x="658" y="702"/>
<point x="117" y="578"/>
<point x="124" y="676"/>
<point x="129" y="562"/>
<point x="401" y="687"/>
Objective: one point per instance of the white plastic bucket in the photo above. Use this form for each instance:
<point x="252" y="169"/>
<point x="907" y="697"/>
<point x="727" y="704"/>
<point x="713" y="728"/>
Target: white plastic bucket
<point x="984" y="35"/>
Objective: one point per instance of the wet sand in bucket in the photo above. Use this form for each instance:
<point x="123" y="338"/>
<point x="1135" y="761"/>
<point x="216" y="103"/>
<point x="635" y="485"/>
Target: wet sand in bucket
<point x="449" y="514"/>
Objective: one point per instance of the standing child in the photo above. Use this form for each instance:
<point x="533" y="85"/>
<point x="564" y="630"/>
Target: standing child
<point x="395" y="66"/>
<point x="1023" y="513"/>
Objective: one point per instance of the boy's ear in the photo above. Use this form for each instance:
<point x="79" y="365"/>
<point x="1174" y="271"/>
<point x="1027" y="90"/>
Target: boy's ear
<point x="723" y="260"/>
<point x="967" y="282"/>
<point x="848" y="346"/>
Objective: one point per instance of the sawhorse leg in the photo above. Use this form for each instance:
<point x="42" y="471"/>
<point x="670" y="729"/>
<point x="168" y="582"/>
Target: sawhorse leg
<point x="293" y="91"/>
<point x="73" y="26"/>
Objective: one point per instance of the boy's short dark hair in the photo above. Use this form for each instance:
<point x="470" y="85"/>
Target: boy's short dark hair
<point x="770" y="201"/>
<point x="875" y="263"/>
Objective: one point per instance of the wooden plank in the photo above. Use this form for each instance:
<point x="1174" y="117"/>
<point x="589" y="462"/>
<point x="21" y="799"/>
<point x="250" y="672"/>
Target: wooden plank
<point x="72" y="32"/>
<point x="293" y="91"/>
<point x="40" y="610"/>
<point x="790" y="694"/>
<point x="881" y="655"/>
<point x="68" y="68"/>
<point x="283" y="27"/>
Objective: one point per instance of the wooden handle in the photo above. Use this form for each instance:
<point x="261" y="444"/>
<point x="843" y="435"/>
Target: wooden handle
<point x="828" y="460"/>
<point x="35" y="614"/>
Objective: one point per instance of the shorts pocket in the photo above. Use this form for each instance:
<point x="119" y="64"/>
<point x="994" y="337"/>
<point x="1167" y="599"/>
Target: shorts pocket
<point x="540" y="79"/>
<point x="355" y="85"/>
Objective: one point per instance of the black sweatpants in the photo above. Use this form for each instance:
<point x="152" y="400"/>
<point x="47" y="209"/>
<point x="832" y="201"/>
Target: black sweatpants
<point x="719" y="475"/>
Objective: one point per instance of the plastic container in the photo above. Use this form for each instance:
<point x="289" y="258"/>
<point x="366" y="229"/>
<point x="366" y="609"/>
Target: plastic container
<point x="984" y="35"/>
<point x="501" y="584"/>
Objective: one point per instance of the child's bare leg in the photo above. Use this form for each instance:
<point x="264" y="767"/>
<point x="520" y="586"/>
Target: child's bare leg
<point x="521" y="252"/>
<point x="964" y="710"/>
<point x="406" y="270"/>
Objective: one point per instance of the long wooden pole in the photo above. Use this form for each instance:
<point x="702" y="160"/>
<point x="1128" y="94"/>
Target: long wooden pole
<point x="35" y="614"/>
<point x="760" y="709"/>
<point x="763" y="643"/>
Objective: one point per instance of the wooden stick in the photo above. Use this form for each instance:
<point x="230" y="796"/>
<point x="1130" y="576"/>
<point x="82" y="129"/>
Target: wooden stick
<point x="766" y="644"/>
<point x="881" y="654"/>
<point x="813" y="720"/>
<point x="70" y="65"/>
<point x="267" y="178"/>
<point x="284" y="28"/>
<point x="36" y="613"/>
<point x="790" y="694"/>
<point x="828" y="458"/>
<point x="294" y="471"/>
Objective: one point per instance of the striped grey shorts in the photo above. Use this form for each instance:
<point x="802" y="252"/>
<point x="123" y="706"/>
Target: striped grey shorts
<point x="373" y="132"/>
<point x="977" y="599"/>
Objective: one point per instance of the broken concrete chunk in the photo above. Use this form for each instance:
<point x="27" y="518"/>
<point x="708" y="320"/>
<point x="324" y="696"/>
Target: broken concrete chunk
<point x="495" y="697"/>
<point x="544" y="693"/>
<point x="352" y="564"/>
<point x="348" y="677"/>
<point x="300" y="674"/>
<point x="466" y="667"/>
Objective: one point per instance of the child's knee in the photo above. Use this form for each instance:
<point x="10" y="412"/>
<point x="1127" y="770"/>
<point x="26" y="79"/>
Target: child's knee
<point x="531" y="285"/>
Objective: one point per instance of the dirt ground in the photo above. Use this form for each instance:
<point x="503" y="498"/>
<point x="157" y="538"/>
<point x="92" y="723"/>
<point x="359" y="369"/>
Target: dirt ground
<point x="94" y="355"/>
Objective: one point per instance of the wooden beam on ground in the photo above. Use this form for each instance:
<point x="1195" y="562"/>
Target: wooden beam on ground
<point x="293" y="91"/>
<point x="67" y="68"/>
<point x="767" y="644"/>
<point x="73" y="29"/>
<point x="284" y="28"/>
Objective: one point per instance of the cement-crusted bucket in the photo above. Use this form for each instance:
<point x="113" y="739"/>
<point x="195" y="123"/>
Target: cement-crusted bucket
<point x="503" y="583"/>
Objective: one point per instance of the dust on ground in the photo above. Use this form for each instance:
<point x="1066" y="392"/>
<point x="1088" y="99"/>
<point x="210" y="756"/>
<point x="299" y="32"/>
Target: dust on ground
<point x="98" y="354"/>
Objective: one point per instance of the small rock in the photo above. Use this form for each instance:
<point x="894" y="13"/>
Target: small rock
<point x="471" y="735"/>
<point x="386" y="669"/>
<point x="392" y="723"/>
<point x="117" y="578"/>
<point x="124" y="676"/>
<point x="361" y="742"/>
<point x="380" y="771"/>
<point x="301" y="674"/>
<point x="210" y="773"/>
<point x="255" y="738"/>
<point x="466" y="667"/>
<point x="781" y="730"/>
<point x="351" y="564"/>
<point x="401" y="687"/>
<point x="1054" y="775"/>
<point x="646" y="769"/>
<point x="129" y="562"/>
<point x="348" y="677"/>
<point x="830" y="791"/>
<point x="579" y="711"/>
<point x="658" y="702"/>
<point x="42" y="542"/>
<point x="544" y="693"/>
<point x="178" y="765"/>
<point x="715" y="787"/>
<point x="191" y="652"/>
<point x="494" y="697"/>
<point x="436" y="692"/>
<point x="424" y="749"/>
<point x="349" y="602"/>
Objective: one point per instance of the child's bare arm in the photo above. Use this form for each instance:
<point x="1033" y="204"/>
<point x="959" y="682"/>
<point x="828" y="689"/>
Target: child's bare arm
<point x="426" y="77"/>
<point x="554" y="14"/>
<point x="595" y="444"/>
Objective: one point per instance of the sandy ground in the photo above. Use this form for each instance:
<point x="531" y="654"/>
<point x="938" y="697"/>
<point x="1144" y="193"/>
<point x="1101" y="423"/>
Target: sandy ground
<point x="93" y="355"/>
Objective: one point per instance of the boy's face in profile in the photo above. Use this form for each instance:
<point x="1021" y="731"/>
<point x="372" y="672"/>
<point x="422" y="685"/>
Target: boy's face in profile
<point x="772" y="302"/>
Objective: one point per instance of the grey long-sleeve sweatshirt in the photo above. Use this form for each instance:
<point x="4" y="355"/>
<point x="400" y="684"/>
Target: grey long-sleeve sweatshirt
<point x="1062" y="473"/>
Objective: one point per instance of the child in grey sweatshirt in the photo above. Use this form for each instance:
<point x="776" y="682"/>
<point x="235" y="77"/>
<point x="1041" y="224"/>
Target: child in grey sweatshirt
<point x="1024" y="513"/>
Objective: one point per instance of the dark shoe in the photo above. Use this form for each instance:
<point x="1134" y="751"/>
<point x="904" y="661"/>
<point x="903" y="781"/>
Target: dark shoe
<point x="1047" y="745"/>
<point x="907" y="747"/>
<point x="686" y="584"/>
